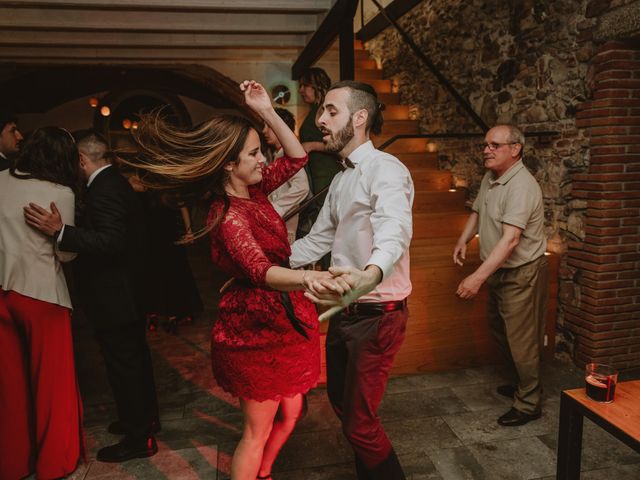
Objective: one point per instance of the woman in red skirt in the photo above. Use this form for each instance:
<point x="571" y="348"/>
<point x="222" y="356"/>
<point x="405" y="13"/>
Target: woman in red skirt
<point x="40" y="408"/>
<point x="265" y="347"/>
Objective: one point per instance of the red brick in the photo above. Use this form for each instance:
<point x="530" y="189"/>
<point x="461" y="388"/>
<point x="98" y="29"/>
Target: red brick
<point x="605" y="112"/>
<point x="609" y="195"/>
<point x="607" y="285"/>
<point x="632" y="186"/>
<point x="600" y="276"/>
<point x="612" y="74"/>
<point x="621" y="83"/>
<point x="610" y="93"/>
<point x="608" y="151"/>
<point x="616" y="64"/>
<point x="607" y="168"/>
<point x="630" y="221"/>
<point x="613" y="213"/>
<point x="611" y="51"/>
<point x="631" y="203"/>
<point x="606" y="302"/>
<point x="605" y="204"/>
<point x="629" y="257"/>
<point x="601" y="222"/>
<point x="613" y="159"/>
<point x="595" y="185"/>
<point x="612" y="120"/>
<point x="610" y="231"/>
<point x="630" y="239"/>
<point x="616" y="140"/>
<point x="629" y="274"/>
<point x="609" y="249"/>
<point x="598" y="267"/>
<point x="609" y="102"/>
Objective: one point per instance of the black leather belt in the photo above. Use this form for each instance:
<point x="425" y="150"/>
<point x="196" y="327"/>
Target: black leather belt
<point x="375" y="308"/>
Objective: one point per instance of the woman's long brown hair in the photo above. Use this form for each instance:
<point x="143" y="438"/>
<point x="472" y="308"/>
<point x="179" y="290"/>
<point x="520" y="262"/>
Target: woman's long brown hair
<point x="188" y="163"/>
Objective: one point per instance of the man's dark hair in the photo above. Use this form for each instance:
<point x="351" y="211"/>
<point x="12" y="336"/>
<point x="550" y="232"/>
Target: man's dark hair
<point x="93" y="145"/>
<point x="363" y="96"/>
<point x="287" y="116"/>
<point x="49" y="154"/>
<point x="6" y="117"/>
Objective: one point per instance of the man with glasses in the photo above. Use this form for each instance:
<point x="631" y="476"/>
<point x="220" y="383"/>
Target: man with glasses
<point x="508" y="214"/>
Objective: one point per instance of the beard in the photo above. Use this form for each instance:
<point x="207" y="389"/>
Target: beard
<point x="339" y="140"/>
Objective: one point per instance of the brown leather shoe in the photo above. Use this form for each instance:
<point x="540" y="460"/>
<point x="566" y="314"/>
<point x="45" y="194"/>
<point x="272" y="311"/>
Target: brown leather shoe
<point x="515" y="418"/>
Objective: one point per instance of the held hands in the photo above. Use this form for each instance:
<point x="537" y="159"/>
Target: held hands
<point x="256" y="96"/>
<point x="353" y="284"/>
<point x="43" y="220"/>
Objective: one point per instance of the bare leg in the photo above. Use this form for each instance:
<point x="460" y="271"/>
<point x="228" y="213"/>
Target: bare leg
<point x="283" y="425"/>
<point x="258" y="422"/>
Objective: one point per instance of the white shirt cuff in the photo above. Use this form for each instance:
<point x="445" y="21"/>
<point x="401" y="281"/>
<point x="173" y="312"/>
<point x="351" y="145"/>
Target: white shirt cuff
<point x="382" y="260"/>
<point x="59" y="239"/>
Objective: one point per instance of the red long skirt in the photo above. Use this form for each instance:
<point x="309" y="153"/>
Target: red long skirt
<point x="40" y="406"/>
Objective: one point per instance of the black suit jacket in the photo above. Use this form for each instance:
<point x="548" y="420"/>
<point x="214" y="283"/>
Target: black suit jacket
<point x="108" y="243"/>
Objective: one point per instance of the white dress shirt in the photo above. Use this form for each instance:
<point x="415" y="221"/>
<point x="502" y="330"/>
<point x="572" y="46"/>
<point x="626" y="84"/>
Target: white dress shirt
<point x="366" y="220"/>
<point x="290" y="195"/>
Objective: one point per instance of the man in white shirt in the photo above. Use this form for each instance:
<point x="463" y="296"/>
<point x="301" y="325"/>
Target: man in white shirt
<point x="10" y="138"/>
<point x="366" y="225"/>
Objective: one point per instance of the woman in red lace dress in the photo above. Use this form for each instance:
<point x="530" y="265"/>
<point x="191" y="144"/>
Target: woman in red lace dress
<point x="264" y="345"/>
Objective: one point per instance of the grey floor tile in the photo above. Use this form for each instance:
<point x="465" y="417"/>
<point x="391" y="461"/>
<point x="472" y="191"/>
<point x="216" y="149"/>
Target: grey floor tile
<point x="418" y="466"/>
<point x="618" y="472"/>
<point x="182" y="464"/>
<point x="481" y="396"/>
<point x="482" y="427"/>
<point x="517" y="459"/>
<point x="427" y="403"/>
<point x="423" y="434"/>
<point x="458" y="464"/>
<point x="430" y="380"/>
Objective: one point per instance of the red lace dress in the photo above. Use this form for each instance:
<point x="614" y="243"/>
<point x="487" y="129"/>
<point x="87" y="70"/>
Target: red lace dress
<point x="256" y="353"/>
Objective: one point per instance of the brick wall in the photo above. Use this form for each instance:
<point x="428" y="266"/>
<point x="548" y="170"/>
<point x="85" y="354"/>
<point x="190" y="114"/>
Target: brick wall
<point x="605" y="265"/>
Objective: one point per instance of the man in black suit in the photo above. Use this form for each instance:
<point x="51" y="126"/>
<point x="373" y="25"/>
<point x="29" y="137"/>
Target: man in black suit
<point x="108" y="244"/>
<point x="10" y="138"/>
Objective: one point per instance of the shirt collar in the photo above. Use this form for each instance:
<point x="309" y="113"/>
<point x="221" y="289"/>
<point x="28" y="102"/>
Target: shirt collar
<point x="93" y="176"/>
<point x="360" y="153"/>
<point x="509" y="174"/>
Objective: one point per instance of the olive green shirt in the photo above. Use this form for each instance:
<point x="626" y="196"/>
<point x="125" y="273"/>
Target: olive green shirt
<point x="514" y="198"/>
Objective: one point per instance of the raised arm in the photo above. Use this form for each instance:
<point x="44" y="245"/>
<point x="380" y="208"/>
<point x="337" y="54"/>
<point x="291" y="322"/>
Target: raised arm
<point x="258" y="100"/>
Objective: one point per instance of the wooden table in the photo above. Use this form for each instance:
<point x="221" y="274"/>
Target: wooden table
<point x="621" y="418"/>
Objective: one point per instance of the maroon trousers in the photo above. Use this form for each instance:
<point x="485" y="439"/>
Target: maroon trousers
<point x="360" y="353"/>
<point x="40" y="407"/>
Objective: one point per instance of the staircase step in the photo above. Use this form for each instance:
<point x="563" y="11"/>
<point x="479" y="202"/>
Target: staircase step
<point x="438" y="225"/>
<point x="368" y="74"/>
<point x="389" y="98"/>
<point x="396" y="127"/>
<point x="419" y="160"/>
<point x="396" y="112"/>
<point x="429" y="180"/>
<point x="381" y="86"/>
<point x="361" y="55"/>
<point x="367" y="64"/>
<point x="401" y="145"/>
<point x="439" y="201"/>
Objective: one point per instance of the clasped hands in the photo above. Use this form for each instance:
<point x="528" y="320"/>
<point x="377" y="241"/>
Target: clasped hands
<point x="339" y="286"/>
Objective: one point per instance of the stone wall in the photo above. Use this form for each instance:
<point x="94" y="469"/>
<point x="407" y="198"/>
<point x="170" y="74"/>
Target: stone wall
<point x="527" y="62"/>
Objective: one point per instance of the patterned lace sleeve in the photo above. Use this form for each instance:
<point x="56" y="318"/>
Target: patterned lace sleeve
<point x="279" y="171"/>
<point x="245" y="251"/>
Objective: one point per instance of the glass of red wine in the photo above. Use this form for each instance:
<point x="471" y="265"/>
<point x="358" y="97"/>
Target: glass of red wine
<point x="601" y="382"/>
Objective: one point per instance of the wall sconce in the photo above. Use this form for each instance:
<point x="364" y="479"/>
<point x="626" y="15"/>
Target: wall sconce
<point x="134" y="126"/>
<point x="93" y="102"/>
<point x="105" y="111"/>
<point x="432" y="147"/>
<point x="126" y="124"/>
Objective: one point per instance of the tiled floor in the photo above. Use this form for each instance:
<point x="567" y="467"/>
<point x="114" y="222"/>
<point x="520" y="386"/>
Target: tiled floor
<point x="443" y="425"/>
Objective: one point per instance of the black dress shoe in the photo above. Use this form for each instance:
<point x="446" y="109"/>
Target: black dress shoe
<point x="122" y="428"/>
<point x="515" y="418"/>
<point x="128" y="449"/>
<point x="507" y="390"/>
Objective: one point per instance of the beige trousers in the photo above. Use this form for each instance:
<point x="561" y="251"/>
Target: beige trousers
<point x="517" y="314"/>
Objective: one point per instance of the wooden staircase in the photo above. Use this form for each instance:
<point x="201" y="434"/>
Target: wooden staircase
<point x="444" y="332"/>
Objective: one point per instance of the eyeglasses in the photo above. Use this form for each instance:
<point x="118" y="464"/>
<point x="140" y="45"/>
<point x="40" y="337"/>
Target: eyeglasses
<point x="494" y="145"/>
